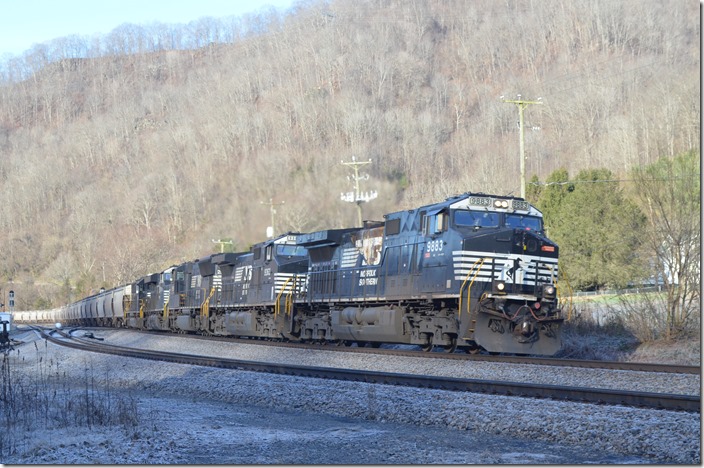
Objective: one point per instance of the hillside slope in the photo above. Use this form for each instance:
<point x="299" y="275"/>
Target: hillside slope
<point x="119" y="164"/>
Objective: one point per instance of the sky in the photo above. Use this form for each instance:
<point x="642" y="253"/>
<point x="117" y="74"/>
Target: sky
<point x="24" y="23"/>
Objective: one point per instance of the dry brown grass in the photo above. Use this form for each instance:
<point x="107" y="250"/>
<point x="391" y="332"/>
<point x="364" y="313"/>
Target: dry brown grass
<point x="584" y="338"/>
<point x="47" y="398"/>
<point x="683" y="351"/>
<point x="613" y="339"/>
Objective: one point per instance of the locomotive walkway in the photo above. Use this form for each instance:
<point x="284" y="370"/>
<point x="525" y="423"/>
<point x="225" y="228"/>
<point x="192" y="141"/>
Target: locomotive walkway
<point x="689" y="403"/>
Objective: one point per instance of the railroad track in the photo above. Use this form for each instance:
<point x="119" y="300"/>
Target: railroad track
<point x="688" y="403"/>
<point x="539" y="361"/>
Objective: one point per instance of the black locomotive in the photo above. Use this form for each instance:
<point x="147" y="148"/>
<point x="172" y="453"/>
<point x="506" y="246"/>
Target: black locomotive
<point x="475" y="270"/>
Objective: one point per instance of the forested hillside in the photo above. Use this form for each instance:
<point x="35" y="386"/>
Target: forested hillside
<point x="124" y="154"/>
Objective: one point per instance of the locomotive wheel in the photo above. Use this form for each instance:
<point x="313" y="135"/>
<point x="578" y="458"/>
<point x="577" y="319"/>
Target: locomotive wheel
<point x="450" y="348"/>
<point x="428" y="345"/>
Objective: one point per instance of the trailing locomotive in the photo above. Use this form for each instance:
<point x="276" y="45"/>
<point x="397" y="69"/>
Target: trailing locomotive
<point x="474" y="271"/>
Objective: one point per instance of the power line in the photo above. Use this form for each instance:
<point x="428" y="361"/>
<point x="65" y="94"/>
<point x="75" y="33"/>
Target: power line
<point x="693" y="176"/>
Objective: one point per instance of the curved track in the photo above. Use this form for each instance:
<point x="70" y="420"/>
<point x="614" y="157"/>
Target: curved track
<point x="589" y="395"/>
<point x="538" y="361"/>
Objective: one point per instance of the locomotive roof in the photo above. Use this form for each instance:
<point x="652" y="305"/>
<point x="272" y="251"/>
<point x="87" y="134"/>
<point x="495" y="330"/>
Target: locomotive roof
<point x="323" y="238"/>
<point x="462" y="201"/>
<point x="465" y="196"/>
<point x="288" y="238"/>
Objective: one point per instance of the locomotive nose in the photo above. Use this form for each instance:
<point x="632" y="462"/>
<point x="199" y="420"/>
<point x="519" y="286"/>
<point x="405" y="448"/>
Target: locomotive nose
<point x="527" y="241"/>
<point x="532" y="243"/>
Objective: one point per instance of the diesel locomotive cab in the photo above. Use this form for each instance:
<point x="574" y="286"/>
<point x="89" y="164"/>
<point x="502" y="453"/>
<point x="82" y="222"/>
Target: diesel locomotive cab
<point x="271" y="280"/>
<point x="506" y="254"/>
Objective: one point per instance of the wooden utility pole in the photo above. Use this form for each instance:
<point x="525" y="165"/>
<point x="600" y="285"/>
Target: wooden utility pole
<point x="270" y="233"/>
<point x="356" y="196"/>
<point x="522" y="104"/>
<point x="222" y="244"/>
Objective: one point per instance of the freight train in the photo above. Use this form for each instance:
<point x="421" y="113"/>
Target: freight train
<point x="475" y="271"/>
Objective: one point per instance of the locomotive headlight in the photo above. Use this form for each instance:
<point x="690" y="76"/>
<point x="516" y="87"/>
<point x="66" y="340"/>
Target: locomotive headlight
<point x="498" y="287"/>
<point x="500" y="203"/>
<point x="549" y="291"/>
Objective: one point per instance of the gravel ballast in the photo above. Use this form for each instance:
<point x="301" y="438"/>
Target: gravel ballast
<point x="191" y="414"/>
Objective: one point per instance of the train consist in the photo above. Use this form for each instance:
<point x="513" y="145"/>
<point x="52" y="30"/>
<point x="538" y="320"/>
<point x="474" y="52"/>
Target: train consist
<point x="475" y="270"/>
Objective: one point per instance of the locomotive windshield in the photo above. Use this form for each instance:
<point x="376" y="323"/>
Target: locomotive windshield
<point x="489" y="219"/>
<point x="476" y="218"/>
<point x="517" y="221"/>
<point x="290" y="250"/>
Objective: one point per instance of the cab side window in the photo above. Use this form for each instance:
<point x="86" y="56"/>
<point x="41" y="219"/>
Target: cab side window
<point x="435" y="223"/>
<point x="441" y="222"/>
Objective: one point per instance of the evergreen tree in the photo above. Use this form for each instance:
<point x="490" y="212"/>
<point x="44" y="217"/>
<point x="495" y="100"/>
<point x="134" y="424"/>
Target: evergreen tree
<point x="597" y="228"/>
<point x="551" y="196"/>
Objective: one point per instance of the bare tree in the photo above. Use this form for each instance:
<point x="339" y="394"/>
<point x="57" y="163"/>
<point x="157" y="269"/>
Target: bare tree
<point x="181" y="126"/>
<point x="670" y="192"/>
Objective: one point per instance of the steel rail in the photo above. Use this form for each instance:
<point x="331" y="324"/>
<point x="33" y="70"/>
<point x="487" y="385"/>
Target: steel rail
<point x="665" y="401"/>
<point x="537" y="361"/>
<point x="512" y="359"/>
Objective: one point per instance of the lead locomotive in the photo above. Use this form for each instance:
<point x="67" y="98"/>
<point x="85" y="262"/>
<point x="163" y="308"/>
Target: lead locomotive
<point x="475" y="270"/>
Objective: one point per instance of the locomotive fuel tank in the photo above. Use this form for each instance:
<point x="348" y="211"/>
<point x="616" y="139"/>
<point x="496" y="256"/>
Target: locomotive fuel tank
<point x="384" y="324"/>
<point x="241" y="323"/>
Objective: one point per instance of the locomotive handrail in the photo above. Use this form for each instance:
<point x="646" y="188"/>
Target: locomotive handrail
<point x="277" y="305"/>
<point x="205" y="305"/>
<point x="289" y="297"/>
<point x="459" y="309"/>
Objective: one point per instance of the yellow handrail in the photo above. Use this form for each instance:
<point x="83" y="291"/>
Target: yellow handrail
<point x="289" y="298"/>
<point x="459" y="309"/>
<point x="205" y="306"/>
<point x="277" y="306"/>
